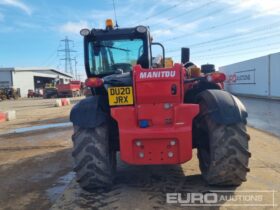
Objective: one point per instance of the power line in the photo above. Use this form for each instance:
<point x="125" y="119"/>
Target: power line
<point x="238" y="43"/>
<point x="204" y="53"/>
<point x="188" y="12"/>
<point x="201" y="17"/>
<point x="192" y="10"/>
<point x="158" y="13"/>
<point x="207" y="29"/>
<point x="248" y="36"/>
<point x="243" y="18"/>
<point x="67" y="55"/>
<point x="52" y="55"/>
<point x="256" y="29"/>
<point x="237" y="52"/>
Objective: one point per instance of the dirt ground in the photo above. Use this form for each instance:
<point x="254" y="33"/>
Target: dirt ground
<point x="35" y="166"/>
<point x="35" y="111"/>
<point x="35" y="170"/>
<point x="31" y="166"/>
<point x="145" y="187"/>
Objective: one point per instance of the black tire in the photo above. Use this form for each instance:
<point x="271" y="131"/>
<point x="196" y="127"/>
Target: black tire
<point x="222" y="150"/>
<point x="95" y="161"/>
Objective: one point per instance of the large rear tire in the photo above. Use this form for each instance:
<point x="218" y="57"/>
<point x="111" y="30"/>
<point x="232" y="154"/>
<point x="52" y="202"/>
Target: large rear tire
<point x="222" y="150"/>
<point x="95" y="160"/>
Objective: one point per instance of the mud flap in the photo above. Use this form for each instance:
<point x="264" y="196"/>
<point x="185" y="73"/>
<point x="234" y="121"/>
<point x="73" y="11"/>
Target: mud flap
<point x="90" y="112"/>
<point x="223" y="107"/>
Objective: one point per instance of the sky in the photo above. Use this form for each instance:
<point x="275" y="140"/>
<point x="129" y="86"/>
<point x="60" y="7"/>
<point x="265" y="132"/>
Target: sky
<point x="217" y="31"/>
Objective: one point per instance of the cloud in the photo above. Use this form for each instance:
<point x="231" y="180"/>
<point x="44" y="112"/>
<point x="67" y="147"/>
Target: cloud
<point x="73" y="27"/>
<point x="242" y="30"/>
<point x="18" y="4"/>
<point x="162" y="32"/>
<point x="266" y="7"/>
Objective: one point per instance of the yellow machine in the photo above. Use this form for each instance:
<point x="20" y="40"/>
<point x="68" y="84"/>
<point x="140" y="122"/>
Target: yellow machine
<point x="168" y="62"/>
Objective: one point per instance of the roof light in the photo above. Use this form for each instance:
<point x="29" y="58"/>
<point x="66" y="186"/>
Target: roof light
<point x="85" y="32"/>
<point x="94" y="82"/>
<point x="216" y="77"/>
<point x="109" y="23"/>
<point x="141" y="29"/>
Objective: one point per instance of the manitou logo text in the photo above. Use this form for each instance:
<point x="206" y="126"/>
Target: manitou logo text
<point x="157" y="74"/>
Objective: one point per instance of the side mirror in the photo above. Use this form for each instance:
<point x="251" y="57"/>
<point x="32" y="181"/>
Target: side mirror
<point x="163" y="52"/>
<point x="185" y="55"/>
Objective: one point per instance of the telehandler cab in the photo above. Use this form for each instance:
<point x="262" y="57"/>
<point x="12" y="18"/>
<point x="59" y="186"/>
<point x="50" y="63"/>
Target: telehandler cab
<point x="153" y="115"/>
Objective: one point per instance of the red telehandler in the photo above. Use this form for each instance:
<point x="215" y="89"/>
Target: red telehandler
<point x="153" y="115"/>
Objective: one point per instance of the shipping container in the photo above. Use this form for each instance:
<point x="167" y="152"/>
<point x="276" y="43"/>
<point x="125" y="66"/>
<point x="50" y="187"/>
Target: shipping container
<point x="256" y="77"/>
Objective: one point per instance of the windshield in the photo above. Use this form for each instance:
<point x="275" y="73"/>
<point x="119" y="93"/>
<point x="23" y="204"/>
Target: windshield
<point x="107" y="57"/>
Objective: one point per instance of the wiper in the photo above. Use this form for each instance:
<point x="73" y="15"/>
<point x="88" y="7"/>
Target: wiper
<point x="117" y="48"/>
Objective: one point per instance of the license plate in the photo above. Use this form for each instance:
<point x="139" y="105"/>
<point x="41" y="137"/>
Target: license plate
<point x="119" y="96"/>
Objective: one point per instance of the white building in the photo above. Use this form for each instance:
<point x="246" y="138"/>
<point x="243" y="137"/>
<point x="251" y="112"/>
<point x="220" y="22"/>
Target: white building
<point x="256" y="77"/>
<point x="26" y="79"/>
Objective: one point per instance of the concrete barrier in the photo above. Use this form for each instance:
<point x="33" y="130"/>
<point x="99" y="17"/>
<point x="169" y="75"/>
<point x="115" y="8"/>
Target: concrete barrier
<point x="62" y="102"/>
<point x="7" y="115"/>
<point x="65" y="101"/>
<point x="10" y="115"/>
<point x="2" y="117"/>
<point x="58" y="103"/>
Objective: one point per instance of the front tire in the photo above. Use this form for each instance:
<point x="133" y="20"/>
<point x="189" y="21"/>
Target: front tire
<point x="222" y="150"/>
<point x="95" y="160"/>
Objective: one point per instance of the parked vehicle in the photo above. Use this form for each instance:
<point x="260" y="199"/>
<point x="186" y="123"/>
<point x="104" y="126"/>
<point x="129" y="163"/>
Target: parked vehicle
<point x="37" y="93"/>
<point x="50" y="91"/>
<point x="72" y="89"/>
<point x="9" y="93"/>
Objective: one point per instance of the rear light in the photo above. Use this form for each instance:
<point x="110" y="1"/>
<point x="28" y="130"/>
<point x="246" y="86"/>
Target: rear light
<point x="216" y="77"/>
<point x="94" y="82"/>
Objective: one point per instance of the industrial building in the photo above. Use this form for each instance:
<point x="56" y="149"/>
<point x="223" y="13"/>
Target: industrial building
<point x="25" y="79"/>
<point x="258" y="77"/>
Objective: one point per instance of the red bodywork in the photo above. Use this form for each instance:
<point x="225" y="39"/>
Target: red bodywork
<point x="68" y="89"/>
<point x="158" y="100"/>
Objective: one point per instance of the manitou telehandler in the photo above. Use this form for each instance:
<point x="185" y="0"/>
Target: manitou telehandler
<point x="153" y="115"/>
